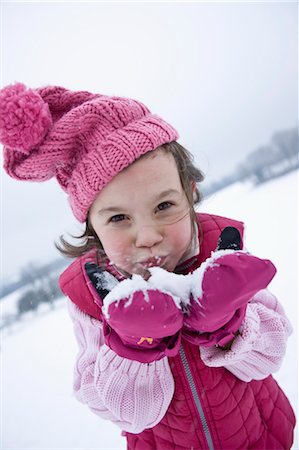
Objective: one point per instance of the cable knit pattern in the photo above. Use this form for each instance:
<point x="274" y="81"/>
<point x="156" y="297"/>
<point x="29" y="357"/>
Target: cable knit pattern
<point x="80" y="138"/>
<point x="260" y="347"/>
<point x="133" y="395"/>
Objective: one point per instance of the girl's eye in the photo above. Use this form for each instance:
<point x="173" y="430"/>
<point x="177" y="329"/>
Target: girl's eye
<point x="164" y="205"/>
<point x="117" y="218"/>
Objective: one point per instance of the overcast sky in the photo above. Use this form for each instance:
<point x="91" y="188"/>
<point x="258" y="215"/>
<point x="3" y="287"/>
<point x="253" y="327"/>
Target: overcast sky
<point x="224" y="74"/>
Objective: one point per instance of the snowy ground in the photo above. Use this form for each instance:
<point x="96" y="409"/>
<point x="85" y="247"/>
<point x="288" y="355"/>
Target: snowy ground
<point x="38" y="409"/>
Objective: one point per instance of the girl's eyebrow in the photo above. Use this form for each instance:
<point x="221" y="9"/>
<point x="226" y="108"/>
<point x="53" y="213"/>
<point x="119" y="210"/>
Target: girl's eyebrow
<point x="110" y="210"/>
<point x="166" y="193"/>
<point x="158" y="197"/>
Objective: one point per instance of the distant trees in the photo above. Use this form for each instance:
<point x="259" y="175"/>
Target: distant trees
<point x="286" y="145"/>
<point x="38" y="285"/>
<point x="28" y="302"/>
<point x="278" y="157"/>
<point x="272" y="160"/>
<point x="42" y="287"/>
<point x="220" y="184"/>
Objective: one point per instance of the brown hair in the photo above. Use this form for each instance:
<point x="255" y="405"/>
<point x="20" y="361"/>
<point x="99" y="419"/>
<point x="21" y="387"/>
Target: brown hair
<point x="188" y="174"/>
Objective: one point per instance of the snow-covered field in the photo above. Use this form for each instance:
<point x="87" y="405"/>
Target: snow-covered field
<point x="38" y="409"/>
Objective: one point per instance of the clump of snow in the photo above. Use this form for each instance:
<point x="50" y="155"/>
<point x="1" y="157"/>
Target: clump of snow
<point x="171" y="283"/>
<point x="198" y="274"/>
<point x="174" y="285"/>
<point x="105" y="280"/>
<point x="124" y="290"/>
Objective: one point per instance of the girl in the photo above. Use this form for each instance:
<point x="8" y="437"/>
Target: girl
<point x="177" y="333"/>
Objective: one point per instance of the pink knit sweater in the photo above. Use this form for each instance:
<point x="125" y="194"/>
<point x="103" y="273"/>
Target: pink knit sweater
<point x="135" y="396"/>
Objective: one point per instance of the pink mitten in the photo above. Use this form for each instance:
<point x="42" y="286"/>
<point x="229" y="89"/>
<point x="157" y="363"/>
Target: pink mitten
<point x="220" y="290"/>
<point x="142" y="323"/>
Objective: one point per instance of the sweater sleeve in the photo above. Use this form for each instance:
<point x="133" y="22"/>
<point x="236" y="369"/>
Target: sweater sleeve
<point x="133" y="395"/>
<point x="259" y="348"/>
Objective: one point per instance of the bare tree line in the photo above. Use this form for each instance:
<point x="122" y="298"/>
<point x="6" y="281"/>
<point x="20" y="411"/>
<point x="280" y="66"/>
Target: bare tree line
<point x="278" y="157"/>
<point x="40" y="286"/>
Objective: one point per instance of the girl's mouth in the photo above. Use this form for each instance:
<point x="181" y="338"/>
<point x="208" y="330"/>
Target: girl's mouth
<point x="154" y="261"/>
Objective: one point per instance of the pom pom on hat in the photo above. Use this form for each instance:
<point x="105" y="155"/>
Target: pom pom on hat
<point x="25" y="118"/>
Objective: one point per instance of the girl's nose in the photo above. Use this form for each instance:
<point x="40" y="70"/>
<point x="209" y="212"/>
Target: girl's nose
<point x="148" y="236"/>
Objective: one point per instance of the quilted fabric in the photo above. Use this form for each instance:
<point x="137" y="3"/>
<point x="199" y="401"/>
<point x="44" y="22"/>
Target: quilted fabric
<point x="255" y="415"/>
<point x="240" y="415"/>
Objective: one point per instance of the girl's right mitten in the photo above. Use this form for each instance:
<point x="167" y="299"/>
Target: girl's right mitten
<point x="140" y="322"/>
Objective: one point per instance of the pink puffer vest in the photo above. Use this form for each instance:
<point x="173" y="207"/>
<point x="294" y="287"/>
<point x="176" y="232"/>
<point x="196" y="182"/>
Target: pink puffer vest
<point x="211" y="408"/>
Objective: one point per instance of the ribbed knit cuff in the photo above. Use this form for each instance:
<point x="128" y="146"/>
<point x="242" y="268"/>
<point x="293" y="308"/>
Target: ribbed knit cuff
<point x="243" y="343"/>
<point x="108" y="358"/>
<point x="260" y="347"/>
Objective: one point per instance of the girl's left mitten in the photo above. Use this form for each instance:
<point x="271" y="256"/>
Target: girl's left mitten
<point x="221" y="289"/>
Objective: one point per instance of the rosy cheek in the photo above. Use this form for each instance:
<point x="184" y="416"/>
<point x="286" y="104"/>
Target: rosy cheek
<point x="116" y="247"/>
<point x="180" y="233"/>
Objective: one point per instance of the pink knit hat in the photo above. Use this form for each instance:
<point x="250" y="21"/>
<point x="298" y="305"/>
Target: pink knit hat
<point x="80" y="138"/>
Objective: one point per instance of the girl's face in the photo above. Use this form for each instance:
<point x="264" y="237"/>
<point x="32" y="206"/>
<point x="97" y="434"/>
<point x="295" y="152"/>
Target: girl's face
<point x="142" y="217"/>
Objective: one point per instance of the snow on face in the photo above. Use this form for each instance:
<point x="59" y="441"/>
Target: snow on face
<point x="142" y="216"/>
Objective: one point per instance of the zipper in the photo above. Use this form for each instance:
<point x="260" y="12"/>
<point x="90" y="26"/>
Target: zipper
<point x="196" y="399"/>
